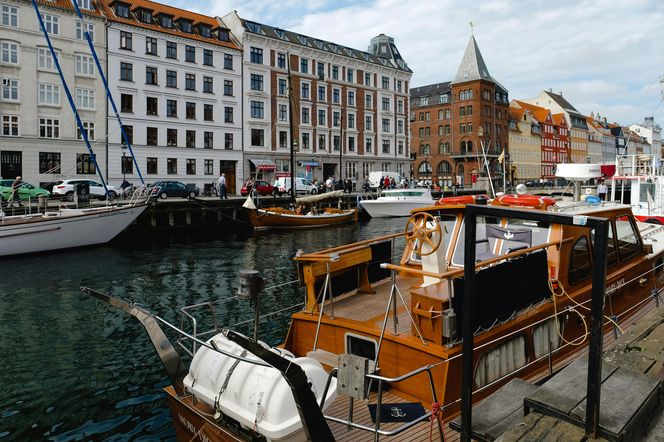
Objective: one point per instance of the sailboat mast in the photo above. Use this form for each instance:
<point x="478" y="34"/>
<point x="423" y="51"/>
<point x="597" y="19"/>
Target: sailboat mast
<point x="292" y="136"/>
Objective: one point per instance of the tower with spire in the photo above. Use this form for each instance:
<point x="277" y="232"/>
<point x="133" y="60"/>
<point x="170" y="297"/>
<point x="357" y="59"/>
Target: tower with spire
<point x="447" y="120"/>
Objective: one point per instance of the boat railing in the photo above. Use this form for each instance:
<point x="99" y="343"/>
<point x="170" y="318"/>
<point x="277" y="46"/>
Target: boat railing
<point x="635" y="165"/>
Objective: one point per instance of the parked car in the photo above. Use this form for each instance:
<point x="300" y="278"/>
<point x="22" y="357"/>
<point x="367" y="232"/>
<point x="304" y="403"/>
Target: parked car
<point x="164" y="189"/>
<point x="66" y="189"/>
<point x="302" y="185"/>
<point x="26" y="191"/>
<point x="262" y="188"/>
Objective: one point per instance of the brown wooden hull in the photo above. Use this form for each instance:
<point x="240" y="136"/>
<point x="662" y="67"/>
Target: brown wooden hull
<point x="279" y="218"/>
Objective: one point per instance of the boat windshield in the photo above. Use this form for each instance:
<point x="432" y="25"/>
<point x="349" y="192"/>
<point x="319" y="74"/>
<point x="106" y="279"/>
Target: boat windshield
<point x="447" y="225"/>
<point x="415" y="193"/>
<point x="515" y="234"/>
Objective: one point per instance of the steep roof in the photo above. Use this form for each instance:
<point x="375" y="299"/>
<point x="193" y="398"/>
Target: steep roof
<point x="539" y="113"/>
<point x="562" y="102"/>
<point x="315" y="43"/>
<point x="430" y="89"/>
<point x="472" y="65"/>
<point x="176" y="13"/>
<point x="67" y="5"/>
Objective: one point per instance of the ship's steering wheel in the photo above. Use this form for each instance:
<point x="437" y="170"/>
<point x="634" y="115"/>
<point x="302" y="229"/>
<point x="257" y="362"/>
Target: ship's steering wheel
<point x="418" y="234"/>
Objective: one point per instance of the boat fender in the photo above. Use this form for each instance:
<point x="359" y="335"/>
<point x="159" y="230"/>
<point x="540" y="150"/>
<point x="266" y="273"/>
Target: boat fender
<point x="593" y="199"/>
<point x="536" y="202"/>
<point x="464" y="199"/>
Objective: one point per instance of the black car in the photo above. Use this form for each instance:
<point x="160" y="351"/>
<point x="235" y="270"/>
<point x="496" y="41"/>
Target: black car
<point x="164" y="189"/>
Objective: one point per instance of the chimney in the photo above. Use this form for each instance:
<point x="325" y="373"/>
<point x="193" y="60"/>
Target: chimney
<point x="560" y="93"/>
<point x="592" y="115"/>
<point x="604" y="120"/>
<point x="551" y="90"/>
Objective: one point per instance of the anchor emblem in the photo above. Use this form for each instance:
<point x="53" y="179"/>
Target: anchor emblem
<point x="508" y="235"/>
<point x="396" y="412"/>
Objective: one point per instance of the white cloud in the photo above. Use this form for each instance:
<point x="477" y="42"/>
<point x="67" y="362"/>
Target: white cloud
<point x="598" y="53"/>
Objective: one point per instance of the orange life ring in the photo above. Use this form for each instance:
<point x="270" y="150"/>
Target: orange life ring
<point x="536" y="202"/>
<point x="465" y="199"/>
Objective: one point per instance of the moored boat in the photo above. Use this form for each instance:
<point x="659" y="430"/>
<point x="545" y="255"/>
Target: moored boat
<point x="639" y="181"/>
<point x="277" y="217"/>
<point x="396" y="317"/>
<point x="397" y="202"/>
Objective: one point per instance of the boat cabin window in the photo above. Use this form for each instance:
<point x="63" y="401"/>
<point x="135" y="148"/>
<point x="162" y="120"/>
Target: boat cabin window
<point x="361" y="346"/>
<point x="403" y="193"/>
<point x="539" y="232"/>
<point x="579" y="261"/>
<point x="647" y="193"/>
<point x="484" y="245"/>
<point x="627" y="238"/>
<point x="611" y="254"/>
<point x="501" y="361"/>
<point x="546" y="337"/>
<point x="447" y="227"/>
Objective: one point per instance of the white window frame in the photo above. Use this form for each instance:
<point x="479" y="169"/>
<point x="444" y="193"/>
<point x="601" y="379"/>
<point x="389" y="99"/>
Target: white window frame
<point x="85" y="4"/>
<point x="48" y="94"/>
<point x="85" y="98"/>
<point x="8" y="122"/>
<point x="9" y="53"/>
<point x="85" y="65"/>
<point x="51" y="23"/>
<point x="10" y="89"/>
<point x="9" y="16"/>
<point x="49" y="123"/>
<point x="89" y="127"/>
<point x="80" y="35"/>
<point x="45" y="59"/>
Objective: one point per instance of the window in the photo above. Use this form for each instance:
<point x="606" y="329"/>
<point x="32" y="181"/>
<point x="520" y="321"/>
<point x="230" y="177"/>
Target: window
<point x="145" y="16"/>
<point x="171" y="79"/>
<point x="322" y="142"/>
<point x="368" y="123"/>
<point x="190" y="54"/>
<point x="8" y="52"/>
<point x="336" y="95"/>
<point x="349" y="75"/>
<point x="150" y="46"/>
<point x="208" y="167"/>
<point x="151" y="166"/>
<point x="228" y="61"/>
<point x="282" y="112"/>
<point x="208" y="85"/>
<point x="351" y="144"/>
<point x="151" y="75"/>
<point x="367" y="79"/>
<point x="190" y="82"/>
<point x="151" y="106"/>
<point x="320" y="71"/>
<point x="172" y="166"/>
<point x="305" y="141"/>
<point x="190" y="138"/>
<point x="171" y="49"/>
<point x="399" y="85"/>
<point x="304" y="65"/>
<point x="190" y="110"/>
<point x="45" y="59"/>
<point x="228" y="141"/>
<point x="500" y="361"/>
<point x="256" y="109"/>
<point x="85" y="98"/>
<point x="166" y="21"/>
<point x="49" y="162"/>
<point x="10" y="125"/>
<point x="367" y="145"/>
<point x="204" y="30"/>
<point x="336" y="116"/>
<point x="321" y="93"/>
<point x="126" y="40"/>
<point x="208" y="140"/>
<point x="386" y="82"/>
<point x="256" y="55"/>
<point x="305" y="115"/>
<point x="335" y="72"/>
<point x="84" y="164"/>
<point x="283" y="137"/>
<point x="546" y="337"/>
<point x="172" y="137"/>
<point x="228" y="87"/>
<point x="627" y="238"/>
<point x="322" y="117"/>
<point x="85" y="65"/>
<point x="49" y="128"/>
<point x="126" y="165"/>
<point x="208" y="58"/>
<point x="126" y="71"/>
<point x="129" y="132"/>
<point x="152" y="135"/>
<point x="305" y="90"/>
<point x="171" y="108"/>
<point x="257" y="137"/>
<point x="10" y="89"/>
<point x="281" y="86"/>
<point x="49" y="94"/>
<point x="351" y="98"/>
<point x="208" y="113"/>
<point x="579" y="261"/>
<point x="80" y="30"/>
<point x="121" y="10"/>
<point x="351" y="121"/>
<point x="335" y="142"/>
<point x="191" y="166"/>
<point x="386" y="125"/>
<point x="400" y="106"/>
<point x="386" y="104"/>
<point x="281" y="60"/>
<point x="400" y="127"/>
<point x="51" y="23"/>
<point x="386" y="146"/>
<point x="228" y="114"/>
<point x="257" y="82"/>
<point x="368" y="101"/>
<point x="9" y="16"/>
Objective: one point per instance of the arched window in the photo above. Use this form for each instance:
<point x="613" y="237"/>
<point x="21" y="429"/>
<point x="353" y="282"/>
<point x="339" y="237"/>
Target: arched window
<point x="444" y="168"/>
<point x="460" y="169"/>
<point x="447" y="147"/>
<point x="426" y="149"/>
<point x="425" y="168"/>
<point x="470" y="146"/>
<point x="463" y="148"/>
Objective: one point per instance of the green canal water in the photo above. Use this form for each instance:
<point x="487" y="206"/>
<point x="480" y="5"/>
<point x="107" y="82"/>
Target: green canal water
<point x="75" y="369"/>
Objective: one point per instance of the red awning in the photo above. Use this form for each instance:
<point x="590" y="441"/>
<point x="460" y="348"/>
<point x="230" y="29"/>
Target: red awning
<point x="608" y="170"/>
<point x="264" y="164"/>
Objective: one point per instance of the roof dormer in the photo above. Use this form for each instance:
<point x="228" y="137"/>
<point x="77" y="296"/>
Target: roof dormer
<point x="186" y="25"/>
<point x="144" y="15"/>
<point x="165" y="20"/>
<point x="204" y="30"/>
<point x="223" y="34"/>
<point x="121" y="9"/>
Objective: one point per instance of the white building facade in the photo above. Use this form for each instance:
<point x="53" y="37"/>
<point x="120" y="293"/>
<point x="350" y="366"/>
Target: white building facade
<point x="39" y="137"/>
<point x="176" y="79"/>
<point x="348" y="106"/>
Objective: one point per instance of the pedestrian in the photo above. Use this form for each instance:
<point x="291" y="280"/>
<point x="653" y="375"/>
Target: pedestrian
<point x="601" y="191"/>
<point x="14" y="198"/>
<point x="393" y="183"/>
<point x="249" y="184"/>
<point x="222" y="187"/>
<point x="386" y="183"/>
<point x="329" y="184"/>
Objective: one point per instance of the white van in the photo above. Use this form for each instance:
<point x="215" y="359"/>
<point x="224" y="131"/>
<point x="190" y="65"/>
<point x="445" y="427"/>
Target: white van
<point x="375" y="177"/>
<point x="302" y="185"/>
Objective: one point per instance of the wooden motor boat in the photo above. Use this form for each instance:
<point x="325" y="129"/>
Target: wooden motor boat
<point x="277" y="217"/>
<point x="374" y="324"/>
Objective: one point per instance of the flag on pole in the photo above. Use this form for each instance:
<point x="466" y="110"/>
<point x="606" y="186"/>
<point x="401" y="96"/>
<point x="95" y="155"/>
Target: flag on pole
<point x="501" y="158"/>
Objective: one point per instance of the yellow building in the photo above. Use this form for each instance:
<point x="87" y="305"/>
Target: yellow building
<point x="525" y="141"/>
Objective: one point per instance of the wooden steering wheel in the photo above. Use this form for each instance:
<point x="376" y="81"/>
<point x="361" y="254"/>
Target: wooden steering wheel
<point x="418" y="234"/>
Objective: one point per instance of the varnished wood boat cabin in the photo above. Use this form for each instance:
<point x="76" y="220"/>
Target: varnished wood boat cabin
<point x="533" y="286"/>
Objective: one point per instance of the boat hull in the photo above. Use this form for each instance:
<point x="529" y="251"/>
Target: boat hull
<point x="65" y="229"/>
<point x="268" y="219"/>
<point x="386" y="209"/>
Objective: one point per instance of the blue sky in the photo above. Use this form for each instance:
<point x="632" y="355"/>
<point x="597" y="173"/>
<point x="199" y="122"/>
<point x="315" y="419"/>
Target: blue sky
<point x="605" y="56"/>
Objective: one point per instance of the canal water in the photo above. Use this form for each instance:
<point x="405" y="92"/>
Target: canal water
<point x="75" y="369"/>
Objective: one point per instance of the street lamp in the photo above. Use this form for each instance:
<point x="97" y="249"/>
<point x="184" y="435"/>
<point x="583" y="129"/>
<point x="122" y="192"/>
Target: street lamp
<point x="341" y="142"/>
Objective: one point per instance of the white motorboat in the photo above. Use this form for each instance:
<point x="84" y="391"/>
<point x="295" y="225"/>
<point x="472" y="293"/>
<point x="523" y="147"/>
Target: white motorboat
<point x="65" y="228"/>
<point x="397" y="202"/>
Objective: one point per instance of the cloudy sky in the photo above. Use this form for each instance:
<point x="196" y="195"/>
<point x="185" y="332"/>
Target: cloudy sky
<point x="605" y="56"/>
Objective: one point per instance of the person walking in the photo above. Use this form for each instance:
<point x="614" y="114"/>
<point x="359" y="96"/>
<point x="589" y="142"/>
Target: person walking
<point x="601" y="190"/>
<point x="222" y="187"/>
<point x="16" y="185"/>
